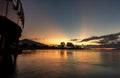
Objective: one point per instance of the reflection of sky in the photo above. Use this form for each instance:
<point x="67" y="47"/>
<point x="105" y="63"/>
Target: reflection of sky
<point x="68" y="64"/>
<point x="63" y="20"/>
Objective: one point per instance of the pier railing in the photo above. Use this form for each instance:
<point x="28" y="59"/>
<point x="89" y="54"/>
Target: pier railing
<point x="12" y="10"/>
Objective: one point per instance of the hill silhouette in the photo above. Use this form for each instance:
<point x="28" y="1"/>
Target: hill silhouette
<point x="30" y="44"/>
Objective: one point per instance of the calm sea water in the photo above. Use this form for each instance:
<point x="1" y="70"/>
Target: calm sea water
<point x="64" y="64"/>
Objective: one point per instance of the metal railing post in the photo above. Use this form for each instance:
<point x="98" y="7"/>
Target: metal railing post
<point x="6" y="9"/>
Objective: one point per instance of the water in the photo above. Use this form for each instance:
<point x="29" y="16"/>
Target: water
<point x="65" y="64"/>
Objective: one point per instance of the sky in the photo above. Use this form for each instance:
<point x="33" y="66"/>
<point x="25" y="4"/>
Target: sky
<point x="55" y="21"/>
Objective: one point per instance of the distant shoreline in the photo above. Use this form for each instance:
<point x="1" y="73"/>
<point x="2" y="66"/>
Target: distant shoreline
<point x="70" y="49"/>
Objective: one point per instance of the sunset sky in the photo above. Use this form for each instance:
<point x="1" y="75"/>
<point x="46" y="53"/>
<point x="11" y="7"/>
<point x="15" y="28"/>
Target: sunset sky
<point x="54" y="21"/>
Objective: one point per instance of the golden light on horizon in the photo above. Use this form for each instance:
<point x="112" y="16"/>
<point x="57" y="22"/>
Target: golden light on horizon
<point x="48" y="32"/>
<point x="53" y="35"/>
<point x="53" y="41"/>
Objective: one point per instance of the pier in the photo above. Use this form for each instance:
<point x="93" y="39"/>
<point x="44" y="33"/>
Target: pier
<point x="11" y="24"/>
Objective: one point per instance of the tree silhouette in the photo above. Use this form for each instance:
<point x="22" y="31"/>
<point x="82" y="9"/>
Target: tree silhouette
<point x="62" y="44"/>
<point x="70" y="45"/>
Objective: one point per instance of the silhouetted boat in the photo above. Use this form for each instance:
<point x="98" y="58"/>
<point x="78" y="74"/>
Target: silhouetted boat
<point x="11" y="23"/>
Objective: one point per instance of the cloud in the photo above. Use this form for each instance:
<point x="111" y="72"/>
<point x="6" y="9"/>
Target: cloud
<point x="74" y="39"/>
<point x="105" y="39"/>
<point x="91" y="38"/>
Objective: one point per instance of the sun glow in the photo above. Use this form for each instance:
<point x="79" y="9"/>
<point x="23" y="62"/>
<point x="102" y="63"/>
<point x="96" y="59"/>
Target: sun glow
<point x="53" y="35"/>
<point x="53" y="41"/>
<point x="47" y="31"/>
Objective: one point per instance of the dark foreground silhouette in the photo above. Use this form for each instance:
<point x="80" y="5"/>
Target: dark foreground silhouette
<point x="7" y="65"/>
